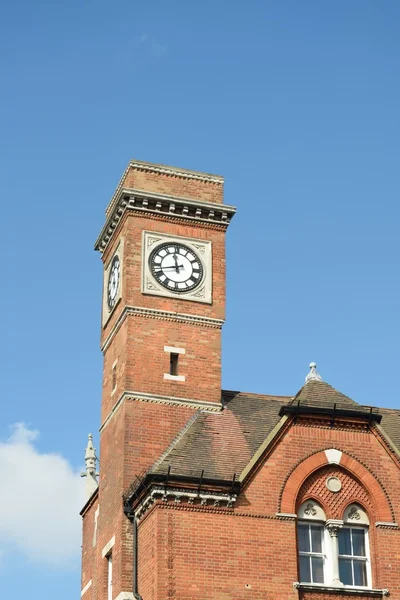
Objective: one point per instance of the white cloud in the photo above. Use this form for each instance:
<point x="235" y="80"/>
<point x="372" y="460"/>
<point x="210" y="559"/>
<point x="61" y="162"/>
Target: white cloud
<point x="40" y="499"/>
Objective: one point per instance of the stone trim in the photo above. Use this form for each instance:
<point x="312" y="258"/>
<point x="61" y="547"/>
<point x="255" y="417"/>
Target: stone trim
<point x="340" y="590"/>
<point x="162" y="169"/>
<point x="385" y="525"/>
<point x="173" y="350"/>
<point x="179" y="495"/>
<point x="96" y="522"/>
<point x="286" y="516"/>
<point x="160" y="315"/>
<point x="169" y="377"/>
<point x="108" y="547"/>
<point x="163" y="205"/>
<point x="333" y="456"/>
<point x="125" y="596"/>
<point x="155" y="399"/>
<point x="87" y="586"/>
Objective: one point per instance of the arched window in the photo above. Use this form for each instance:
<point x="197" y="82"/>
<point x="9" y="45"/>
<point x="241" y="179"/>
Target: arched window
<point x="354" y="563"/>
<point x="333" y="552"/>
<point x="311" y="542"/>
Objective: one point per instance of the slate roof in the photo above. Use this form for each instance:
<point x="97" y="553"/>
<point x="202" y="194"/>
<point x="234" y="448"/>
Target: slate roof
<point x="222" y="444"/>
<point x="391" y="424"/>
<point x="321" y="394"/>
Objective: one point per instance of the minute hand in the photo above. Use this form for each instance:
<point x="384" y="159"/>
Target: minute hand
<point x="166" y="268"/>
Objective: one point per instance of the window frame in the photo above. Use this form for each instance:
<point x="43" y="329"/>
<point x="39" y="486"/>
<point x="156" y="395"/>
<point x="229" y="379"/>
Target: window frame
<point x="313" y="523"/>
<point x="311" y="513"/>
<point x="366" y="559"/>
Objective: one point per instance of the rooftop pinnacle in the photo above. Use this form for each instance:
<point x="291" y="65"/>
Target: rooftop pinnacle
<point x="313" y="375"/>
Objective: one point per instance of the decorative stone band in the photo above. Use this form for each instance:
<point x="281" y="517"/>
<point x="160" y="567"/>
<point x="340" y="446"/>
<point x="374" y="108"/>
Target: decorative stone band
<point x="142" y="397"/>
<point x="178" y="495"/>
<point x="354" y="591"/>
<point x="163" y="205"/>
<point x="164" y="170"/>
<point x="160" y="315"/>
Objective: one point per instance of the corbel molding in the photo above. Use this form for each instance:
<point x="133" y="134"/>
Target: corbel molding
<point x="179" y="495"/>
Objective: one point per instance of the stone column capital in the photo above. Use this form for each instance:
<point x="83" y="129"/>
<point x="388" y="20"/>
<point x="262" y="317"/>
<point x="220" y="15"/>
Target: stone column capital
<point x="333" y="526"/>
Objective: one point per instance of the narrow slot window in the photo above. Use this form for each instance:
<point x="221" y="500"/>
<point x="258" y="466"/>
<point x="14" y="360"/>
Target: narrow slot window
<point x="109" y="577"/>
<point x="114" y="377"/>
<point x="173" y="363"/>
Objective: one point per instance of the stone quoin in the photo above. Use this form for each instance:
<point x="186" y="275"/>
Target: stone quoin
<point x="205" y="493"/>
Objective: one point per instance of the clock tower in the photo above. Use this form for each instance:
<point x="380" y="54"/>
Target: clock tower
<point x="163" y="307"/>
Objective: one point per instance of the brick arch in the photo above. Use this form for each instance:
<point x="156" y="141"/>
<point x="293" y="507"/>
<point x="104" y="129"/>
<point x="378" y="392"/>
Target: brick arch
<point x="352" y="490"/>
<point x="319" y="460"/>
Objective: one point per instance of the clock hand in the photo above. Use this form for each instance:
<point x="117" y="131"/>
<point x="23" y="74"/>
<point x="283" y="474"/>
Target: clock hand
<point x="166" y="268"/>
<point x="176" y="263"/>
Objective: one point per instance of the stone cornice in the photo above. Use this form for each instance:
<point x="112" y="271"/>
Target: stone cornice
<point x="190" y="497"/>
<point x="128" y="199"/>
<point x="156" y="399"/>
<point x="139" y="165"/>
<point x="160" y="315"/>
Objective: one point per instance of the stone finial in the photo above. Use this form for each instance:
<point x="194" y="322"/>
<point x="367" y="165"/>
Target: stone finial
<point x="90" y="472"/>
<point x="313" y="374"/>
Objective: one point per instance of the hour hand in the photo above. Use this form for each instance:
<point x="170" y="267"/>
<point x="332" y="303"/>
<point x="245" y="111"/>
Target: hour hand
<point x="176" y="263"/>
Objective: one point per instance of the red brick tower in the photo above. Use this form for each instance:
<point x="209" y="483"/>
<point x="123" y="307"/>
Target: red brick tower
<point x="163" y="249"/>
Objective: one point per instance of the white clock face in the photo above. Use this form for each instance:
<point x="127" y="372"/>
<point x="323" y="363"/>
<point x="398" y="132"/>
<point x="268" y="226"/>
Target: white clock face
<point x="176" y="267"/>
<point x="113" y="282"/>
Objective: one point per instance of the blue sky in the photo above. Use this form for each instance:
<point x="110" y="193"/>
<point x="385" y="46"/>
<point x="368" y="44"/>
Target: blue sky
<point x="297" y="105"/>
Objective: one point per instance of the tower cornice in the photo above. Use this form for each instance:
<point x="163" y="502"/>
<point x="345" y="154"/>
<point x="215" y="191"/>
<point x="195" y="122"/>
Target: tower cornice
<point x="164" y="205"/>
<point x="140" y="165"/>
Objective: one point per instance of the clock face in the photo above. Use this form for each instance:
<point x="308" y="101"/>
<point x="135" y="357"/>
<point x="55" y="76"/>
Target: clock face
<point x="113" y="282"/>
<point x="176" y="267"/>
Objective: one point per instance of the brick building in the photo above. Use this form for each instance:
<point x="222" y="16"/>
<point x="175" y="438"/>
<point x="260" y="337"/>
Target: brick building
<point x="210" y="494"/>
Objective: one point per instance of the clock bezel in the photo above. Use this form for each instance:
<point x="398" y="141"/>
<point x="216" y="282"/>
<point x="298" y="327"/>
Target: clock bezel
<point x="201" y="248"/>
<point x="176" y="244"/>
<point x="106" y="310"/>
<point x="114" y="300"/>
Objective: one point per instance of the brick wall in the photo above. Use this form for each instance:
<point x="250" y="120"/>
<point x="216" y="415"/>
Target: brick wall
<point x="249" y="552"/>
<point x="174" y="185"/>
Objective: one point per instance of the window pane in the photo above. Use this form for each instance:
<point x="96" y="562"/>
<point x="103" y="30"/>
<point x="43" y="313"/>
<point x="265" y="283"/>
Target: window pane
<point x="304" y="538"/>
<point x="305" y="575"/>
<point x="344" y="541"/>
<point x="358" y="542"/>
<point x="316" y="538"/>
<point x="317" y="569"/>
<point x="360" y="572"/>
<point x="345" y="573"/>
